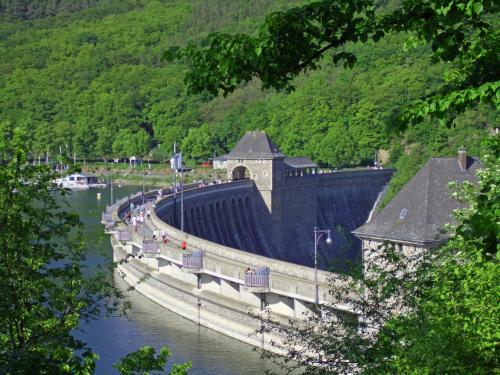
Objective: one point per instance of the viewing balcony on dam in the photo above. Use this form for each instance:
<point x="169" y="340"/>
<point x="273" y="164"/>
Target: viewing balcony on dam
<point x="124" y="235"/>
<point x="257" y="281"/>
<point x="193" y="262"/>
<point x="150" y="248"/>
<point x="107" y="218"/>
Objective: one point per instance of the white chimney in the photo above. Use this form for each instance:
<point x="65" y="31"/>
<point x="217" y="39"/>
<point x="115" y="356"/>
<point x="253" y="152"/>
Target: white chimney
<point x="462" y="158"/>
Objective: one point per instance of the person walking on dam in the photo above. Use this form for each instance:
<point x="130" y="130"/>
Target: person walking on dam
<point x="134" y="222"/>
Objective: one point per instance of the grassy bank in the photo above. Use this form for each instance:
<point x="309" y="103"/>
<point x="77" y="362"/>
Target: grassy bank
<point x="153" y="175"/>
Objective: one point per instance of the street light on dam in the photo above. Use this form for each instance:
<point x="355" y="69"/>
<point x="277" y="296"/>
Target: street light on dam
<point x="318" y="233"/>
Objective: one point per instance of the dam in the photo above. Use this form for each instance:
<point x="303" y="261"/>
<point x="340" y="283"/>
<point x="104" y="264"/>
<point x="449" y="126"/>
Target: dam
<point x="261" y="219"/>
<point x="238" y="218"/>
<point x="273" y="215"/>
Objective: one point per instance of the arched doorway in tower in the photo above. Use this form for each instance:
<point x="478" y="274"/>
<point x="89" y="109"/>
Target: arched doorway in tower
<point x="240" y="173"/>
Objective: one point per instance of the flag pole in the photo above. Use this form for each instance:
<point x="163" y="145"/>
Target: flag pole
<point x="176" y="163"/>
<point x="175" y="173"/>
<point x="175" y="185"/>
<point x="182" y="194"/>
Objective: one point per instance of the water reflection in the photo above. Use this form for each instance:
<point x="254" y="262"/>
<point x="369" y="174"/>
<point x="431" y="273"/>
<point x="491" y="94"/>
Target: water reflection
<point x="148" y="323"/>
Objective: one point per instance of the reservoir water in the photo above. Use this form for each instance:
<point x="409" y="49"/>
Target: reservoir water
<point x="147" y="323"/>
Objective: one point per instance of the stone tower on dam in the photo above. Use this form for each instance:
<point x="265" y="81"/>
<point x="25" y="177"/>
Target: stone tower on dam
<point x="256" y="157"/>
<point x="284" y="198"/>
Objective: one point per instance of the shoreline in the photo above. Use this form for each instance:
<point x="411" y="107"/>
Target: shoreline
<point x="157" y="176"/>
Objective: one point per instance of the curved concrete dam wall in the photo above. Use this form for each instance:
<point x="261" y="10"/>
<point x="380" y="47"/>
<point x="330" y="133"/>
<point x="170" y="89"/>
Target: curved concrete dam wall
<point x="233" y="216"/>
<point x="237" y="216"/>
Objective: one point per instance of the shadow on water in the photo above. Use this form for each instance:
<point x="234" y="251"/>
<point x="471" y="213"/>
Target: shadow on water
<point x="148" y="323"/>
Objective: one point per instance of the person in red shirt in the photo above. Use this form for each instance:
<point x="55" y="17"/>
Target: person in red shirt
<point x="183" y="245"/>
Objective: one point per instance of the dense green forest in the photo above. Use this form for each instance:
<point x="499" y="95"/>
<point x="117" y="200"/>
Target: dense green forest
<point x="87" y="77"/>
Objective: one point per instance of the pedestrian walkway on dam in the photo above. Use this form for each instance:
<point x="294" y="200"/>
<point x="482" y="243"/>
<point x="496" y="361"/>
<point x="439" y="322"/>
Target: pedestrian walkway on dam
<point x="145" y="232"/>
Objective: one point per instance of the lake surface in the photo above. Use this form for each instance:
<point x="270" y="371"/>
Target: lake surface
<point x="147" y="323"/>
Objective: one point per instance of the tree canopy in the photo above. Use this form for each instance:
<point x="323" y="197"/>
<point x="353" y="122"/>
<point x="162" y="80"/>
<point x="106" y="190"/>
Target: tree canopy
<point x="88" y="78"/>
<point x="431" y="312"/>
<point x="46" y="290"/>
<point x="294" y="41"/>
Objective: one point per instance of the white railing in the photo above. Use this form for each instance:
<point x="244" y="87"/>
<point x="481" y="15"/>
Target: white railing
<point x="107" y="218"/>
<point x="192" y="261"/>
<point x="256" y="281"/>
<point x="124" y="235"/>
<point x="150" y="247"/>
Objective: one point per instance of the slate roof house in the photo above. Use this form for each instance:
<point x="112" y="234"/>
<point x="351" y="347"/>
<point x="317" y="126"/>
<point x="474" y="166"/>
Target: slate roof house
<point x="415" y="217"/>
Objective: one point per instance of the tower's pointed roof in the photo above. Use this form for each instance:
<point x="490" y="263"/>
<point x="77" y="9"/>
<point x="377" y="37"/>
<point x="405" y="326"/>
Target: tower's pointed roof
<point x="255" y="145"/>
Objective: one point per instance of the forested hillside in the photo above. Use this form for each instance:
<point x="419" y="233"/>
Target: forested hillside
<point x="88" y="76"/>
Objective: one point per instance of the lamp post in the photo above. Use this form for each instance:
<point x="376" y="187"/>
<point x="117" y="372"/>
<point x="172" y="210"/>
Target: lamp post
<point x="143" y="175"/>
<point x="318" y="233"/>
<point x="60" y="159"/>
<point x="111" y="187"/>
<point x="143" y="207"/>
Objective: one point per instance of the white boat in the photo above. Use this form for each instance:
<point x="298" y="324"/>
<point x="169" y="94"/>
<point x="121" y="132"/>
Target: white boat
<point x="79" y="181"/>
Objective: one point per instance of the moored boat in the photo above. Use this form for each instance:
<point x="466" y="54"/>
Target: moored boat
<point x="79" y="181"/>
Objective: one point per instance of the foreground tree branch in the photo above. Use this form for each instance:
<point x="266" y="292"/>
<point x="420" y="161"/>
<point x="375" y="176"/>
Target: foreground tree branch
<point x="433" y="312"/>
<point x="294" y="41"/>
<point x="45" y="291"/>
